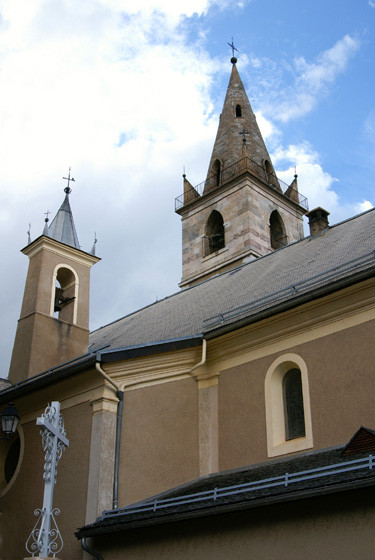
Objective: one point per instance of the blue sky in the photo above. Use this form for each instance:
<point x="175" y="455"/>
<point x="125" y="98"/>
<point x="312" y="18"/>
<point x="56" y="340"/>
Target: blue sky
<point x="128" y="93"/>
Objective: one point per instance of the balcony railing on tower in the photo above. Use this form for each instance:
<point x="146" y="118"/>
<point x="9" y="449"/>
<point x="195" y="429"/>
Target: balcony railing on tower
<point x="227" y="174"/>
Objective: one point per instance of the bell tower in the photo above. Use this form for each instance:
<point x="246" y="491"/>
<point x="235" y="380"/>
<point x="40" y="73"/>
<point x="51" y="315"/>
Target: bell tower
<point x="53" y="327"/>
<point x="242" y="210"/>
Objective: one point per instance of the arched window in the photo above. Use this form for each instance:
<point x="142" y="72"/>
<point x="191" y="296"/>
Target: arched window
<point x="294" y="417"/>
<point x="268" y="166"/>
<point x="65" y="292"/>
<point x="216" y="169"/>
<point x="215" y="238"/>
<point x="278" y="236"/>
<point x="238" y="111"/>
<point x="288" y="415"/>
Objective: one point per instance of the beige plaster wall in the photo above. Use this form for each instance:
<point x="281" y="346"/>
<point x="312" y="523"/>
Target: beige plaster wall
<point x="329" y="527"/>
<point x="43" y="342"/>
<point x="341" y="381"/>
<point x="160" y="446"/>
<point x="18" y="504"/>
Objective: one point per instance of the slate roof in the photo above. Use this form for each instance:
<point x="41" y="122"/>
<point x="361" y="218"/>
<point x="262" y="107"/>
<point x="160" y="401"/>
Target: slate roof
<point x="341" y="255"/>
<point x="281" y="480"/>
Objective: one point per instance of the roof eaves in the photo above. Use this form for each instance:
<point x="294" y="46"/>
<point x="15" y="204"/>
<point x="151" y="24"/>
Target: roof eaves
<point x="151" y="348"/>
<point x="48" y="377"/>
<point x="115" y="524"/>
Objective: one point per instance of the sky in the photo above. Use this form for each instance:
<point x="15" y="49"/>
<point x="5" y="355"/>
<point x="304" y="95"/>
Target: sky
<point x="128" y="94"/>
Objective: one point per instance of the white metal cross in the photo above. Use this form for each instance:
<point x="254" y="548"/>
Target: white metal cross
<point x="45" y="537"/>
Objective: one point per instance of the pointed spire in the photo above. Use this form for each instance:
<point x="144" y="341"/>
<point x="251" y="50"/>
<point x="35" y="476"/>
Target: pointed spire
<point x="237" y="122"/>
<point x="292" y="190"/>
<point x="62" y="227"/>
<point x="189" y="191"/>
<point x="93" y="249"/>
<point x="46" y="220"/>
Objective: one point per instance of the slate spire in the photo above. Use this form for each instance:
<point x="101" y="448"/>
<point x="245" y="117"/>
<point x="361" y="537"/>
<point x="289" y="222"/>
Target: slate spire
<point x="238" y="122"/>
<point x="62" y="227"/>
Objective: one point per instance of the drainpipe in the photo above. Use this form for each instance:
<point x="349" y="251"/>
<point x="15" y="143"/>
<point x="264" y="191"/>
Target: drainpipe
<point x="204" y="356"/>
<point x="120" y="405"/>
<point x="92" y="552"/>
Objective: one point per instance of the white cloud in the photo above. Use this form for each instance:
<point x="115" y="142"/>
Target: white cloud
<point x="363" y="206"/>
<point x="313" y="182"/>
<point x="112" y="88"/>
<point x="371" y="3"/>
<point x="312" y="81"/>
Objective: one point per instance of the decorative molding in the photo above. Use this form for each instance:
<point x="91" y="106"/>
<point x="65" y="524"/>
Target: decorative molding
<point x="276" y="442"/>
<point x="60" y="249"/>
<point x="339" y="311"/>
<point x="161" y="368"/>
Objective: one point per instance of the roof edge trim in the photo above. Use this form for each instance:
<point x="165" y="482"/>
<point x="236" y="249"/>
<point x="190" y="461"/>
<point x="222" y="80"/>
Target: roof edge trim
<point x="157" y="347"/>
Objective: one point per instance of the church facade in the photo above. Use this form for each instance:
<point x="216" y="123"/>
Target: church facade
<point x="231" y="419"/>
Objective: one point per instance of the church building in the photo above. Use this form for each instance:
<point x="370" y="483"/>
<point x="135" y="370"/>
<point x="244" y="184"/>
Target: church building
<point x="232" y="419"/>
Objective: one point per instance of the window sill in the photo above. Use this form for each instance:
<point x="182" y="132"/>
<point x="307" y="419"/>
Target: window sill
<point x="290" y="446"/>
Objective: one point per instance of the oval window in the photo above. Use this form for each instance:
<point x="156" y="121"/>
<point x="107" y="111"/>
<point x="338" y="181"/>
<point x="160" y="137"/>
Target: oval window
<point x="10" y="461"/>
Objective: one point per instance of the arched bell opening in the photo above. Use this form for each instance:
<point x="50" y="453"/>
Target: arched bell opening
<point x="278" y="237"/>
<point x="65" y="292"/>
<point x="214" y="234"/>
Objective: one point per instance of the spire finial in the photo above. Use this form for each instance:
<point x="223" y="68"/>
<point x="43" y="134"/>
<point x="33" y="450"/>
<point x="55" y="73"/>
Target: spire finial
<point x="233" y="59"/>
<point x="29" y="235"/>
<point x="184" y="173"/>
<point x="67" y="189"/>
<point x="46" y="220"/>
<point x="295" y="172"/>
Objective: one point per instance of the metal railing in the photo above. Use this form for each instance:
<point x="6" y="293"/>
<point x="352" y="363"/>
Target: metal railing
<point x="227" y="174"/>
<point x="284" y="480"/>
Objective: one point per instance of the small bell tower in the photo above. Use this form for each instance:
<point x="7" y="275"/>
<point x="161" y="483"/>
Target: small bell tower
<point x="242" y="210"/>
<point x="53" y="327"/>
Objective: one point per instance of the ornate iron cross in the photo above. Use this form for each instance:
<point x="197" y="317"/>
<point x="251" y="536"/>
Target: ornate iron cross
<point x="45" y="537"/>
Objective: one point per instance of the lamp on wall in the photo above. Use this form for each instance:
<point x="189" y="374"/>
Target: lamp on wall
<point x="9" y="421"/>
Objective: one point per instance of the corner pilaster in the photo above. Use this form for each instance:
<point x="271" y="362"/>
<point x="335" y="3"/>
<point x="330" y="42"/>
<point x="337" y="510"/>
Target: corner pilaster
<point x="102" y="457"/>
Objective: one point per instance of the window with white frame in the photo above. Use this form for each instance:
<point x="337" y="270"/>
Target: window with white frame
<point x="288" y="413"/>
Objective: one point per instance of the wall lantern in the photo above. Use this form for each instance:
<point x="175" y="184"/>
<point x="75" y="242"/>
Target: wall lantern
<point x="9" y="421"/>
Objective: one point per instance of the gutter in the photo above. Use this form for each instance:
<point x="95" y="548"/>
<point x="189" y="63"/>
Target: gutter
<point x="286" y="305"/>
<point x="82" y="363"/>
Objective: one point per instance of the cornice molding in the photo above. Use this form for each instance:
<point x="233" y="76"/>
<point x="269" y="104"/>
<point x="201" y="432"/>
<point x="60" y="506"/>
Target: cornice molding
<point x="338" y="311"/>
<point x="61" y="249"/>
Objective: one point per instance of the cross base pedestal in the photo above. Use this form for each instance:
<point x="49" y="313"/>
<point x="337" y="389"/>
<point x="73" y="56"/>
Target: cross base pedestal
<point x="41" y="558"/>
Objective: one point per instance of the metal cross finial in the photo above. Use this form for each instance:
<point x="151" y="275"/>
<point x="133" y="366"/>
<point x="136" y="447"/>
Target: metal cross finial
<point x="244" y="132"/>
<point x="67" y="189"/>
<point x="233" y="48"/>
<point x="46" y="219"/>
<point x="29" y="235"/>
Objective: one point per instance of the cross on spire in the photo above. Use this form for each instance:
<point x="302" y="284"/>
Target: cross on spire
<point x="244" y="132"/>
<point x="233" y="59"/>
<point x="46" y="219"/>
<point x="67" y="189"/>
